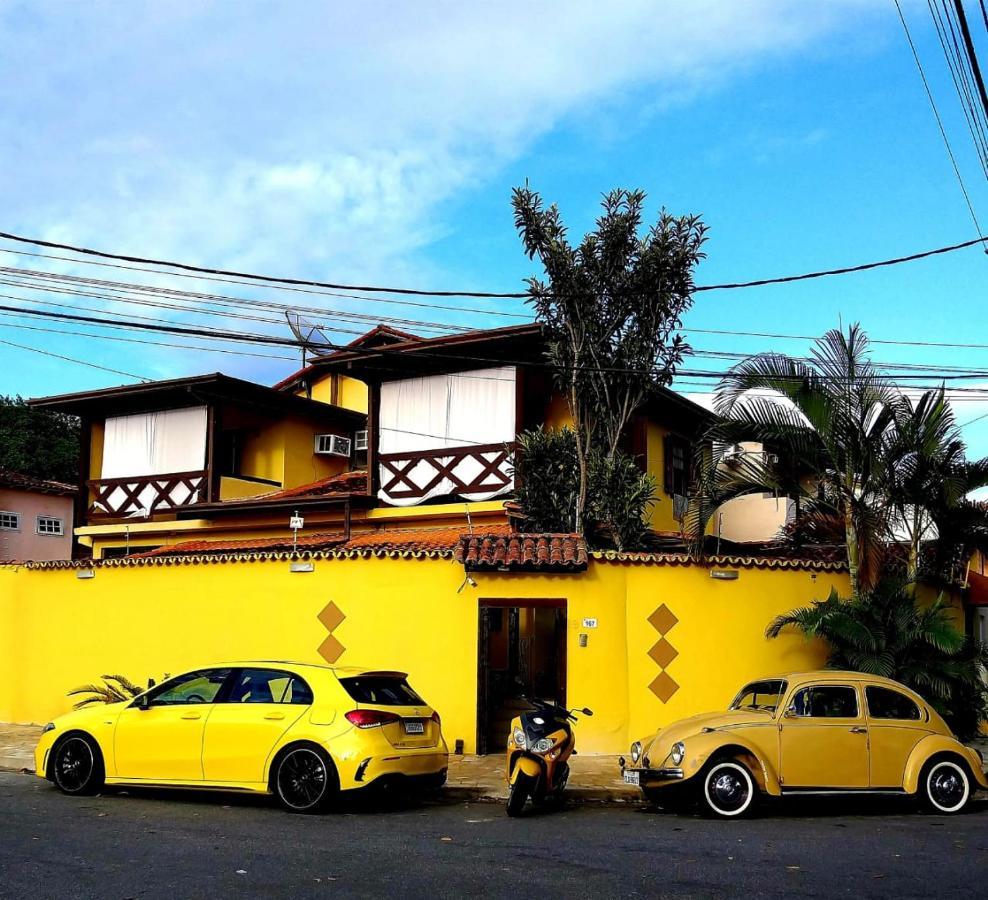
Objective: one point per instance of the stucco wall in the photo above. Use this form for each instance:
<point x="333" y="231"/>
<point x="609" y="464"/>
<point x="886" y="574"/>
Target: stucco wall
<point x="26" y="543"/>
<point x="58" y="631"/>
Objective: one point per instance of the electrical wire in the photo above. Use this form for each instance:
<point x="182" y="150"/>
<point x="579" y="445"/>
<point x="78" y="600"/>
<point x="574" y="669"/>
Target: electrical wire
<point x="943" y="132"/>
<point x="72" y="359"/>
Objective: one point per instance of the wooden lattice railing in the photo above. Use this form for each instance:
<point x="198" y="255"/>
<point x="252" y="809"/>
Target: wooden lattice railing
<point x="145" y="494"/>
<point x="413" y="475"/>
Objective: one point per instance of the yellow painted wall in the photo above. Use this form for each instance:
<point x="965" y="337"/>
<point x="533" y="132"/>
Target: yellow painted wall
<point x="404" y="614"/>
<point x="557" y="414"/>
<point x="661" y="517"/>
<point x="283" y="452"/>
<point x="237" y="488"/>
<point x="348" y="392"/>
<point x="262" y="454"/>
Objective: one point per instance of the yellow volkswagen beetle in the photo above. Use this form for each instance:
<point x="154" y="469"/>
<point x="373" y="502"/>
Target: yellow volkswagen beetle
<point x="302" y="732"/>
<point x="809" y="733"/>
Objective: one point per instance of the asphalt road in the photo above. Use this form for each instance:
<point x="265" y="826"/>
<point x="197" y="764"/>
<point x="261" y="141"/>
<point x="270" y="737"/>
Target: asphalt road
<point x="198" y="845"/>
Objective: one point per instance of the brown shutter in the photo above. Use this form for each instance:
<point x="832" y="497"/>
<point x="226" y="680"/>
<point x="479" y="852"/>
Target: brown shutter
<point x="667" y="463"/>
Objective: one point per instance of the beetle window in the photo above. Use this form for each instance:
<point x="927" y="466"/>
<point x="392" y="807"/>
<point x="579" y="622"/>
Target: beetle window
<point x="764" y="695"/>
<point x="884" y="703"/>
<point x="827" y="701"/>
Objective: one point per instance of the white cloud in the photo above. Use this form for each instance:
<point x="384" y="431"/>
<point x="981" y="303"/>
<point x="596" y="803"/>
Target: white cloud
<point x="325" y="139"/>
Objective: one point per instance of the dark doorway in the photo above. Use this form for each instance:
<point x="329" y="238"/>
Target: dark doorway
<point x="522" y="655"/>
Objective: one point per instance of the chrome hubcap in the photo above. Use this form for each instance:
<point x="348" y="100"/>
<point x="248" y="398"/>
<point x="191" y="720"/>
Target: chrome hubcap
<point x="947" y="787"/>
<point x="302" y="779"/>
<point x="74" y="764"/>
<point x="728" y="790"/>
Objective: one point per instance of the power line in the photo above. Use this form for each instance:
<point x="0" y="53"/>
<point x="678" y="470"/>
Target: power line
<point x="276" y="281"/>
<point x="943" y="132"/>
<point x="972" y="56"/>
<point x="72" y="359"/>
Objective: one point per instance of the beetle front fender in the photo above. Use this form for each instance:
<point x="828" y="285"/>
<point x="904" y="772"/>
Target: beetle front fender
<point x="701" y="748"/>
<point x="929" y="747"/>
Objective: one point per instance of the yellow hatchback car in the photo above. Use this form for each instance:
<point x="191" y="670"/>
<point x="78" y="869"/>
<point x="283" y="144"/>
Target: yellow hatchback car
<point x="301" y="732"/>
<point x="810" y="733"/>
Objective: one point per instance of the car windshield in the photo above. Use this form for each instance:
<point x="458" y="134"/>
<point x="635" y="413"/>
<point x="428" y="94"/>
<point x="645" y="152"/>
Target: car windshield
<point x="763" y="695"/>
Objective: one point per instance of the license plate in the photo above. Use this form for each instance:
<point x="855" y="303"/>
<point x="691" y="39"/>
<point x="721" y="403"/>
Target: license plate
<point x="632" y="776"/>
<point x="414" y="727"/>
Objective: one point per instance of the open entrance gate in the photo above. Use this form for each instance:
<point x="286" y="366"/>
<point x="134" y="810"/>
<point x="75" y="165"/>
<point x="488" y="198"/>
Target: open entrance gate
<point x="521" y="655"/>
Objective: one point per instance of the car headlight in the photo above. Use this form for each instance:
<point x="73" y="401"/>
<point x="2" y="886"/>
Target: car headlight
<point x="49" y="727"/>
<point x="677" y="753"/>
<point x="636" y="752"/>
<point x="542" y="745"/>
<point x="519" y="738"/>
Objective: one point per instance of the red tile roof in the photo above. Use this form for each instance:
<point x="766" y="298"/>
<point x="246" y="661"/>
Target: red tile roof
<point x="19" y="482"/>
<point x="527" y="552"/>
<point x="247" y="545"/>
<point x="345" y="483"/>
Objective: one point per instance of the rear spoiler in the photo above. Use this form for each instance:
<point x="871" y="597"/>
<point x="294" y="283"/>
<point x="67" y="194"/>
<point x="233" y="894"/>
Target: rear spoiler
<point x="382" y="673"/>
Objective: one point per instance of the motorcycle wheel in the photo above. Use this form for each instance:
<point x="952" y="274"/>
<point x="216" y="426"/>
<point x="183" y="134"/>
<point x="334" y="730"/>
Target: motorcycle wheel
<point x="518" y="794"/>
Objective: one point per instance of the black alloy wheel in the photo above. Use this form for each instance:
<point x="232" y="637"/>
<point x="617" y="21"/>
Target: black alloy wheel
<point x="77" y="766"/>
<point x="303" y="782"/>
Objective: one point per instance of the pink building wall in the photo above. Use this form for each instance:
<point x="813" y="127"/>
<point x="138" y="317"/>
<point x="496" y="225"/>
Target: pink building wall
<point x="26" y="543"/>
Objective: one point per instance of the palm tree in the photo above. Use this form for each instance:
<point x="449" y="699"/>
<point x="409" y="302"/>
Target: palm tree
<point x="887" y="631"/>
<point x="114" y="689"/>
<point x="832" y="414"/>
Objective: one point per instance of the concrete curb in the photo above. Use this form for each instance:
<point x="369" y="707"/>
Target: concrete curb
<point x="601" y="796"/>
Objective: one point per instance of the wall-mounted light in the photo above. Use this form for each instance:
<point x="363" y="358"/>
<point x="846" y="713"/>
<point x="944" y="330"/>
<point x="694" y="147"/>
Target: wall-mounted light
<point x="302" y="566"/>
<point x="85" y="573"/>
<point x="724" y="574"/>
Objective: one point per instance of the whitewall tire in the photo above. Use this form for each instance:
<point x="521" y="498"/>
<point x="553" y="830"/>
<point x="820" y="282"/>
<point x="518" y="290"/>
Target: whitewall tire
<point x="946" y="787"/>
<point x="729" y="791"/>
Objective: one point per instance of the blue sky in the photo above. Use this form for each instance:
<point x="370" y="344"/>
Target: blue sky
<point x="379" y="143"/>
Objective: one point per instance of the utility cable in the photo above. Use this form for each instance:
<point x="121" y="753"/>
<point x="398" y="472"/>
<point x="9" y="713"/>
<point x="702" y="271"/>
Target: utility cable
<point x="72" y="359"/>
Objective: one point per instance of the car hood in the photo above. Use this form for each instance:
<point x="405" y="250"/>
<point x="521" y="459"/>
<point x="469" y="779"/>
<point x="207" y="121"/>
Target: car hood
<point x="89" y="713"/>
<point x="657" y="746"/>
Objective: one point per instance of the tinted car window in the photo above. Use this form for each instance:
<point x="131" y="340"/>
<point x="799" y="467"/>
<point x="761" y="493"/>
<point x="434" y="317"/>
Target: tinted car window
<point x="884" y="703"/>
<point x="386" y="690"/>
<point x="760" y="695"/>
<point x="269" y="686"/>
<point x="193" y="687"/>
<point x="826" y="702"/>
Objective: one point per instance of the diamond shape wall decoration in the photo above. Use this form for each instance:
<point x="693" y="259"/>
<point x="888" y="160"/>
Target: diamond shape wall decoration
<point x="662" y="653"/>
<point x="331" y="617"/>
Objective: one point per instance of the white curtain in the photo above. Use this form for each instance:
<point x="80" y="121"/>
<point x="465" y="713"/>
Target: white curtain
<point x="439" y="411"/>
<point x="157" y="443"/>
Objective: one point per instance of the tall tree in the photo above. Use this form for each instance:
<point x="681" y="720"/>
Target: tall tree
<point x="611" y="310"/>
<point x="38" y="442"/>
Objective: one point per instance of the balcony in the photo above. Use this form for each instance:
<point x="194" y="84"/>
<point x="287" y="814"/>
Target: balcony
<point x="144" y="495"/>
<point x="414" y="476"/>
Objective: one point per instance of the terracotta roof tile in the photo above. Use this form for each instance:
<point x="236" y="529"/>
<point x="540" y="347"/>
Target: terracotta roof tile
<point x="344" y="483"/>
<point x="416" y="539"/>
<point x="19" y="482"/>
<point x="246" y="545"/>
<point x="524" y="552"/>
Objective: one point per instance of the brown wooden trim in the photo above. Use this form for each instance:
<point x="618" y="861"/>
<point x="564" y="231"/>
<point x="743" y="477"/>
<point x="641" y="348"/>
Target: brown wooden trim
<point x="373" y="436"/>
<point x="102" y="488"/>
<point x="212" y="485"/>
<point x="494" y="475"/>
<point x="519" y="400"/>
<point x="81" y="503"/>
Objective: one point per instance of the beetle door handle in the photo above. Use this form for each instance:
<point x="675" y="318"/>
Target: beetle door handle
<point x="274" y="715"/>
<point x="859" y="730"/>
<point x="191" y="715"/>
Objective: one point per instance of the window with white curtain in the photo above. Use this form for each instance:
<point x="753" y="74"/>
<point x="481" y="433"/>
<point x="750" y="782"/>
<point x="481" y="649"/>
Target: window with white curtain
<point x="156" y="443"/>
<point x="436" y="412"/>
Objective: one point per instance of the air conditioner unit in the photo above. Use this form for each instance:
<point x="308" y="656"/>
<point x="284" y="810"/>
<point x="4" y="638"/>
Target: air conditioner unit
<point x="333" y="445"/>
<point x="360" y="440"/>
<point x="734" y="453"/>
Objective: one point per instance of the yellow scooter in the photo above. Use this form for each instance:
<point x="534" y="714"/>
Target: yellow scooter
<point x="539" y="745"/>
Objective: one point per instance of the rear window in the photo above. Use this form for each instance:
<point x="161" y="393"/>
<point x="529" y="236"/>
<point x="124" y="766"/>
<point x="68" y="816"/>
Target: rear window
<point x="384" y="690"/>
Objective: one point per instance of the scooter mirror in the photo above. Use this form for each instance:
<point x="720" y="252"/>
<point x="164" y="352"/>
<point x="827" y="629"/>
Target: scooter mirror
<point x="586" y="711"/>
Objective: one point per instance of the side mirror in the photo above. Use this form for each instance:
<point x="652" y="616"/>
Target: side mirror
<point x="586" y="711"/>
<point x="143" y="702"/>
<point x="790" y="713"/>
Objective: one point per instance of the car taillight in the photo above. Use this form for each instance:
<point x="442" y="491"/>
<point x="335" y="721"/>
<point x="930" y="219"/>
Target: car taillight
<point x="370" y="718"/>
<point x="437" y="720"/>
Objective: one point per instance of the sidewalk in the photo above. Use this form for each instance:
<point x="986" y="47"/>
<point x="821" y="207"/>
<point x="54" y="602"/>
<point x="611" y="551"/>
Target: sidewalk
<point x="17" y="744"/>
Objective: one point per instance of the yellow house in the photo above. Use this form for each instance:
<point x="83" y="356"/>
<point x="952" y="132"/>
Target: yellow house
<point x="396" y="455"/>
